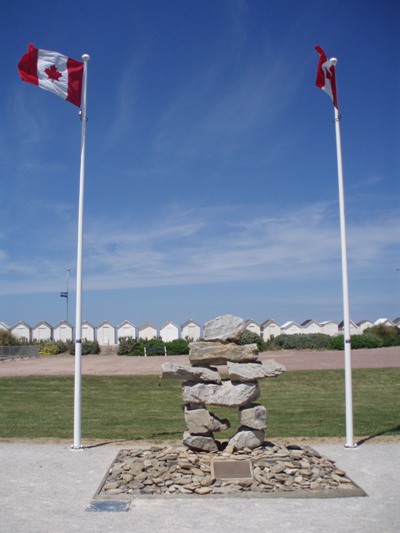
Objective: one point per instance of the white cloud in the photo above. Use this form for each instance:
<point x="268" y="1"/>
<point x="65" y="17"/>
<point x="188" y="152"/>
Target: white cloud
<point x="210" y="245"/>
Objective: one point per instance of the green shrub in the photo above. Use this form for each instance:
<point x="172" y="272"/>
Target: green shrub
<point x="366" y="340"/>
<point x="337" y="342"/>
<point x="249" y="337"/>
<point x="8" y="339"/>
<point x="127" y="345"/>
<point x="130" y="346"/>
<point x="389" y="335"/>
<point x="52" y="348"/>
<point x="177" y="347"/>
<point x="312" y="341"/>
<point x="88" y="347"/>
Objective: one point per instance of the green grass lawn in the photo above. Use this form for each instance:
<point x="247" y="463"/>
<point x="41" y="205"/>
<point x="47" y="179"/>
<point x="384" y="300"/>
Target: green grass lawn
<point x="307" y="403"/>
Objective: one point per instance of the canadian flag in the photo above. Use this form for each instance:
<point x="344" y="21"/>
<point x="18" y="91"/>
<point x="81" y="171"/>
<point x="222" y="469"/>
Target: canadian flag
<point x="53" y="72"/>
<point x="326" y="75"/>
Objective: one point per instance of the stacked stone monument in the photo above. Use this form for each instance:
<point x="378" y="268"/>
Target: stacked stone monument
<point x="203" y="386"/>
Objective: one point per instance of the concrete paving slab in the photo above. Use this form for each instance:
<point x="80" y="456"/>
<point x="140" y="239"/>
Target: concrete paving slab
<point x="49" y="488"/>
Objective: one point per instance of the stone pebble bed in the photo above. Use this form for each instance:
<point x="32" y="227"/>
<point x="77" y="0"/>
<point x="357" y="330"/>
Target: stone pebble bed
<point x="290" y="471"/>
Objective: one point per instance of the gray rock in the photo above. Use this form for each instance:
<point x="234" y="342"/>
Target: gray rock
<point x="224" y="328"/>
<point x="247" y="438"/>
<point x="200" y="421"/>
<point x="181" y="470"/>
<point x="204" y="443"/>
<point x="186" y="372"/>
<point x="216" y="353"/>
<point x="254" y="417"/>
<point x="254" y="371"/>
<point x="272" y="368"/>
<point x="227" y="394"/>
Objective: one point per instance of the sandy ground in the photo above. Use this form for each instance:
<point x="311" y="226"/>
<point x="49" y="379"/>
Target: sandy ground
<point x="63" y="365"/>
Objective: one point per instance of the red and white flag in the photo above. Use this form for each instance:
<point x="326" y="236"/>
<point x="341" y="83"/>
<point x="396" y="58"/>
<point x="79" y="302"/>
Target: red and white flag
<point x="326" y="75"/>
<point x="53" y="72"/>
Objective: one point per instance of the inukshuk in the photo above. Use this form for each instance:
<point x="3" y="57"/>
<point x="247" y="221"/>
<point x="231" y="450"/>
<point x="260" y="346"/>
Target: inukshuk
<point x="203" y="386"/>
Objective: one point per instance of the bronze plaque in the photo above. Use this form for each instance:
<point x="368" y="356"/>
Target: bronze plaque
<point x="231" y="469"/>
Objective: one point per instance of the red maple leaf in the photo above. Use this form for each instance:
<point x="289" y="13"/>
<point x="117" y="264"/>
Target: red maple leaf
<point x="53" y="73"/>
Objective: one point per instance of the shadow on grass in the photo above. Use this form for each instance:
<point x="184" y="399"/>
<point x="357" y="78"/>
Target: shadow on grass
<point x="104" y="443"/>
<point x="395" y="429"/>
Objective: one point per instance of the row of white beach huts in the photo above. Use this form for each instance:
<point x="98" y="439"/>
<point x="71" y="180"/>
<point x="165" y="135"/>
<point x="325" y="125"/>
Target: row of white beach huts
<point x="108" y="334"/>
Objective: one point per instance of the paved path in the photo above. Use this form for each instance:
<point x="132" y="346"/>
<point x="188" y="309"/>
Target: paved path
<point x="125" y="365"/>
<point x="46" y="488"/>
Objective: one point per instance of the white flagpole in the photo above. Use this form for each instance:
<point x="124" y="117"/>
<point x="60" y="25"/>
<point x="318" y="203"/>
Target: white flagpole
<point x="78" y="318"/>
<point x="346" y="312"/>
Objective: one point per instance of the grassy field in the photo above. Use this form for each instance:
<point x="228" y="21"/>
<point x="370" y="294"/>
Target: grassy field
<point x="307" y="403"/>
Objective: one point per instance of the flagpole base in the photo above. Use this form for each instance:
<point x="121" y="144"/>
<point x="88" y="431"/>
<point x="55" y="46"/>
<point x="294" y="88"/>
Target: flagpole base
<point x="79" y="449"/>
<point x="351" y="445"/>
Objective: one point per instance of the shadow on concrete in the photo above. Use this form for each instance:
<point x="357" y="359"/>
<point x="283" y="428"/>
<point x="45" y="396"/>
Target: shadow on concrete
<point x="395" y="429"/>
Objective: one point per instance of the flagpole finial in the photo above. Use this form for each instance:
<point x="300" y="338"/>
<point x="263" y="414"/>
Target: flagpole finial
<point x="333" y="60"/>
<point x="86" y="57"/>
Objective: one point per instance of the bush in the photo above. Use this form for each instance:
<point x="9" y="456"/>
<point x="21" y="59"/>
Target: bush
<point x="313" y="341"/>
<point x="366" y="340"/>
<point x="337" y="342"/>
<point x="249" y="337"/>
<point x="8" y="339"/>
<point x="53" y="348"/>
<point x="178" y="347"/>
<point x="389" y="335"/>
<point x="127" y="345"/>
<point x="88" y="347"/>
<point x="130" y="346"/>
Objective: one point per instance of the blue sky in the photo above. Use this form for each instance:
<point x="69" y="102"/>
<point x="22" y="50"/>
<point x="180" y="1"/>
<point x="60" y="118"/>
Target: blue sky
<point x="211" y="176"/>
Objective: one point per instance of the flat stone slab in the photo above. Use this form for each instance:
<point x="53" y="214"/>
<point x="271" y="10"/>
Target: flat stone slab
<point x="277" y="471"/>
<point x="201" y="421"/>
<point x="187" y="372"/>
<point x="227" y="394"/>
<point x="254" y="371"/>
<point x="224" y="328"/>
<point x="216" y="353"/>
<point x="203" y="443"/>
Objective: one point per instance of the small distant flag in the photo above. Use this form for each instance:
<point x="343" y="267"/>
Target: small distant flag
<point x="53" y="72"/>
<point x="63" y="294"/>
<point x="326" y="75"/>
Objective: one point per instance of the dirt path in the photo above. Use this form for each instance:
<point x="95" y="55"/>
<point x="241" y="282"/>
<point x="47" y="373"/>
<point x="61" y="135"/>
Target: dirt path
<point x="64" y="365"/>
